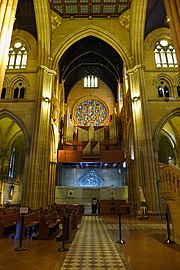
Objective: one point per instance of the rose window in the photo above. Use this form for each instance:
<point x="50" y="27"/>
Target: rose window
<point x="90" y="112"/>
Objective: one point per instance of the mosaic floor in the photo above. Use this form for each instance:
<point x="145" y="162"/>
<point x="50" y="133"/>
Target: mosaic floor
<point x="92" y="248"/>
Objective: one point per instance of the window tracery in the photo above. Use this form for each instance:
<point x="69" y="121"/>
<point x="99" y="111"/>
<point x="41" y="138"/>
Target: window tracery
<point x="19" y="90"/>
<point x="90" y="112"/>
<point x="17" y="58"/>
<point x="90" y="81"/>
<point x="165" y="55"/>
<point x="163" y="89"/>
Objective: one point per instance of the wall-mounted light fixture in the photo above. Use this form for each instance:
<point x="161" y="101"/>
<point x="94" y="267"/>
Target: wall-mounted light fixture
<point x="135" y="99"/>
<point x="46" y="99"/>
<point x="40" y="168"/>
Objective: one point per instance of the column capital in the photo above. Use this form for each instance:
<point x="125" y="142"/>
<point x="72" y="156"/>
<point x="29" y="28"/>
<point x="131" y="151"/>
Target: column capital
<point x="134" y="69"/>
<point x="45" y="68"/>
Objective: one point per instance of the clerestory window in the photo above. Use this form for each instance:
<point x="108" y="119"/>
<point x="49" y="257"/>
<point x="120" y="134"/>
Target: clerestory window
<point x="90" y="81"/>
<point x="17" y="58"/>
<point x="165" y="55"/>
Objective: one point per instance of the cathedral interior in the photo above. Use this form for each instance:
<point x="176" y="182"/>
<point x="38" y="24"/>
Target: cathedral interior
<point x="90" y="103"/>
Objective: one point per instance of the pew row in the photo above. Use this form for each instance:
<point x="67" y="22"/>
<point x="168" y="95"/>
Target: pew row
<point x="49" y="225"/>
<point x="8" y="223"/>
<point x="71" y="219"/>
<point x="30" y="223"/>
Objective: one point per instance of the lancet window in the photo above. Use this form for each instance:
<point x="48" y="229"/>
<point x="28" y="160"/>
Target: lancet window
<point x="163" y="89"/>
<point x="178" y="88"/>
<point x="90" y="81"/>
<point x="11" y="164"/>
<point x="19" y="90"/>
<point x="17" y="58"/>
<point x="165" y="55"/>
<point x="3" y="93"/>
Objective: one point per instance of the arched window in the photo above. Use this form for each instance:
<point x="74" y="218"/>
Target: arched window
<point x="19" y="90"/>
<point x="163" y="89"/>
<point x="11" y="164"/>
<point x="90" y="81"/>
<point x="3" y="93"/>
<point x="165" y="55"/>
<point x="178" y="88"/>
<point x="17" y="58"/>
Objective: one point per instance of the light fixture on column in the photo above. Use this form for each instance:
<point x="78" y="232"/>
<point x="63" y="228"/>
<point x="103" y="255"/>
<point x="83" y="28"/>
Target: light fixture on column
<point x="47" y="99"/>
<point x="135" y="99"/>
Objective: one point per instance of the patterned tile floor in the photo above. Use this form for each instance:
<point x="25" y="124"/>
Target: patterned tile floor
<point x="145" y="247"/>
<point x="136" y="226"/>
<point x="92" y="248"/>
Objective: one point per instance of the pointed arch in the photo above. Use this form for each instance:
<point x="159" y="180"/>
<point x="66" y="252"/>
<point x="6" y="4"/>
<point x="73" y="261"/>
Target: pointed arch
<point x="5" y="113"/>
<point x="95" y="31"/>
<point x="161" y="124"/>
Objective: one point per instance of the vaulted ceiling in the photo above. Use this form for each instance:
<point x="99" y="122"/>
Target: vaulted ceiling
<point x="90" y="56"/>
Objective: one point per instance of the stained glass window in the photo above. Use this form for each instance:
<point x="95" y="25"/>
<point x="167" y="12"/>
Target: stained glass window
<point x="11" y="164"/>
<point x="90" y="112"/>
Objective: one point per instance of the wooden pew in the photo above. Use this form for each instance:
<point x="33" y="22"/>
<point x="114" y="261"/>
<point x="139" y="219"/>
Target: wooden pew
<point x="49" y="225"/>
<point x="75" y="211"/>
<point x="71" y="217"/>
<point x="8" y="223"/>
<point x="30" y="225"/>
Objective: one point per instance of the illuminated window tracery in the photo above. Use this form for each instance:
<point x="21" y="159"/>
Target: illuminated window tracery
<point x="90" y="112"/>
<point x="90" y="81"/>
<point x="165" y="55"/>
<point x="17" y="58"/>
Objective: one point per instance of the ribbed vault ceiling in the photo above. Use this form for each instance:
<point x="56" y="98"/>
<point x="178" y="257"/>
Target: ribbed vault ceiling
<point x="91" y="56"/>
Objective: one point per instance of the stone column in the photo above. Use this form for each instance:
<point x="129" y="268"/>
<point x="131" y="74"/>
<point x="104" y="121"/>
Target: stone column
<point x="51" y="183"/>
<point x="143" y="166"/>
<point x="37" y="188"/>
<point x="7" y="16"/>
<point x="173" y="13"/>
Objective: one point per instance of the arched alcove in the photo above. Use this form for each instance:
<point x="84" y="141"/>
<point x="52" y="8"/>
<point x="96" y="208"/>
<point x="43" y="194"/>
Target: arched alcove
<point x="14" y="139"/>
<point x="167" y="139"/>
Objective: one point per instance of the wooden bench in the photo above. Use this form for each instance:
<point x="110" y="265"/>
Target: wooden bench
<point x="8" y="223"/>
<point x="30" y="225"/>
<point x="49" y="225"/>
<point x="75" y="212"/>
<point x="71" y="218"/>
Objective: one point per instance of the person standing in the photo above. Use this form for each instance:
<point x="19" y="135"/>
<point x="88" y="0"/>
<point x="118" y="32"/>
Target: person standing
<point x="94" y="205"/>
